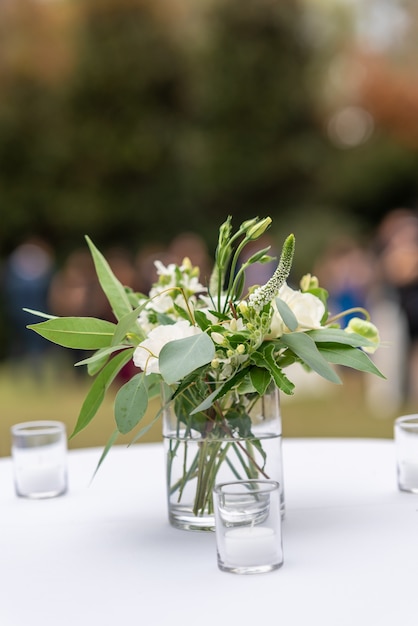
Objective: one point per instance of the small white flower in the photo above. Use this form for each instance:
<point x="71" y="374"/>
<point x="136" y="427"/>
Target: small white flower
<point x="210" y="306"/>
<point x="235" y="325"/>
<point x="146" y="354"/>
<point x="217" y="338"/>
<point x="170" y="277"/>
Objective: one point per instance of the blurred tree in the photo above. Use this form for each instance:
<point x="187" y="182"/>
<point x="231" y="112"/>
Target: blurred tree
<point x="152" y="123"/>
<point x="137" y="119"/>
<point x="253" y="131"/>
<point x="126" y="103"/>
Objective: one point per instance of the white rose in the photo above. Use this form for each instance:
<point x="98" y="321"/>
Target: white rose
<point x="146" y="354"/>
<point x="307" y="308"/>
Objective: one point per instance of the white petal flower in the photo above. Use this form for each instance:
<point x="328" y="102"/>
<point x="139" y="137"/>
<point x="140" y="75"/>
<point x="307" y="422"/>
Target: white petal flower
<point x="307" y="308"/>
<point x="210" y="305"/>
<point x="146" y="354"/>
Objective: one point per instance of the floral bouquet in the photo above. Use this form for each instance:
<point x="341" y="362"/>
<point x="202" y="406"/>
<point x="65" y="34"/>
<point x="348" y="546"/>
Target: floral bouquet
<point x="212" y="353"/>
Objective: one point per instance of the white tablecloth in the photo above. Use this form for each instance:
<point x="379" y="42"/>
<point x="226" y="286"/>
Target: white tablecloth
<point x="105" y="554"/>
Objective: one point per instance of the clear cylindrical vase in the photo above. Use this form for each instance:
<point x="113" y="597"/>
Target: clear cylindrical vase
<point x="247" y="444"/>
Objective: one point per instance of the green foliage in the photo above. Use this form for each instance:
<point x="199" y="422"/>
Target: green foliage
<point x="99" y="388"/>
<point x="182" y="357"/>
<point x="214" y="371"/>
<point x="115" y="292"/>
<point x="233" y="349"/>
<point x="82" y="333"/>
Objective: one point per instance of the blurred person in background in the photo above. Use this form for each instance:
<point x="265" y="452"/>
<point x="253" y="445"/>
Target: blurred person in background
<point x="397" y="252"/>
<point x="27" y="274"/>
<point x="346" y="270"/>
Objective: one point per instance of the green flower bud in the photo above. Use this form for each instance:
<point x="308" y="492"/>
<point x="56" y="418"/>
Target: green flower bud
<point x="248" y="223"/>
<point x="308" y="282"/>
<point x="258" y="229"/>
<point x="217" y="338"/>
<point x="365" y="329"/>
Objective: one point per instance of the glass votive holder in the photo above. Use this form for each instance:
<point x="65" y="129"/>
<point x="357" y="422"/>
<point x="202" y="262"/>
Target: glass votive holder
<point x="406" y="446"/>
<point x="39" y="453"/>
<point x="248" y="526"/>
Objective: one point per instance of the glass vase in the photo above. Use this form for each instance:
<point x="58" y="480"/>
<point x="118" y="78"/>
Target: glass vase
<point x="216" y="451"/>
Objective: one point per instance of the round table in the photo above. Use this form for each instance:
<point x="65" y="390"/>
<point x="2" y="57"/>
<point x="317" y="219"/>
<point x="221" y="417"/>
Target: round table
<point x="105" y="554"/>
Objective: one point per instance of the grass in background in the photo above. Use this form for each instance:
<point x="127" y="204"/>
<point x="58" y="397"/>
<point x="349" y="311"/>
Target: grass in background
<point x="57" y="393"/>
<point x="318" y="409"/>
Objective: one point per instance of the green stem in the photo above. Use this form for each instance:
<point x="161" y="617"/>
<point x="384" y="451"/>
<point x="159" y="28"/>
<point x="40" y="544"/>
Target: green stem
<point x="206" y="474"/>
<point x="355" y="309"/>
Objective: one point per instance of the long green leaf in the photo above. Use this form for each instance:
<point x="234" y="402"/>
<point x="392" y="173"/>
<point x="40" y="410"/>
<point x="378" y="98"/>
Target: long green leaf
<point x="182" y="356"/>
<point x="336" y="335"/>
<point x="97" y="391"/>
<point x="113" y="288"/>
<point x="350" y="357"/>
<point x="100" y="355"/>
<point x="148" y="426"/>
<point x="131" y="403"/>
<point x="128" y="324"/>
<point x="95" y="367"/>
<point x="81" y="333"/>
<point x="109" y="444"/>
<point x="305" y="348"/>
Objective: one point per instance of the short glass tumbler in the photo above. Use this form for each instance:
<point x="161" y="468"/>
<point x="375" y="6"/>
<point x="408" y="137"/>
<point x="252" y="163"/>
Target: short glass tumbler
<point x="248" y="526"/>
<point x="406" y="445"/>
<point x="39" y="452"/>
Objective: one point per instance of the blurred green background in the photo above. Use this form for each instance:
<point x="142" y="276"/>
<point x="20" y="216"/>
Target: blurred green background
<point x="134" y="121"/>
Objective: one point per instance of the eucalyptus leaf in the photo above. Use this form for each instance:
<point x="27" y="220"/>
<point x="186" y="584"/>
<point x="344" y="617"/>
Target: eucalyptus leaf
<point x="286" y="314"/>
<point x="305" y="348"/>
<point x="179" y="358"/>
<point x="336" y="335"/>
<point x="81" y="333"/>
<point x="131" y="403"/>
<point x="349" y="357"/>
<point x="148" y="426"/>
<point x="97" y="391"/>
<point x="112" y="287"/>
<point x="153" y="384"/>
